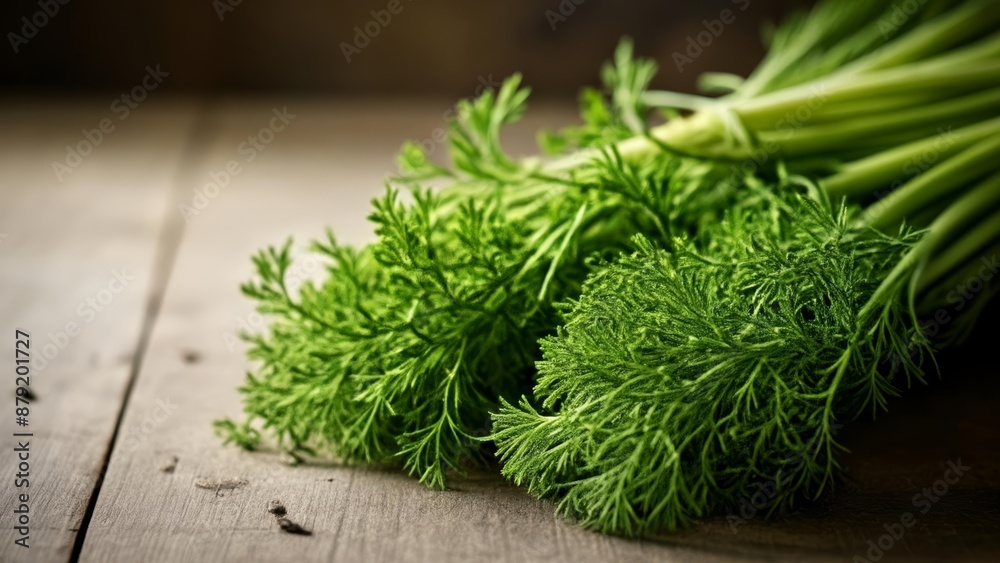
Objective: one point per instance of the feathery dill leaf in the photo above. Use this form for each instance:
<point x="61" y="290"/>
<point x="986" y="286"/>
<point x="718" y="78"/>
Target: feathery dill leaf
<point x="679" y="379"/>
<point x="612" y="118"/>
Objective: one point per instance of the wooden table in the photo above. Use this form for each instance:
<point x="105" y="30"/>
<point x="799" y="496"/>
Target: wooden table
<point x="151" y="362"/>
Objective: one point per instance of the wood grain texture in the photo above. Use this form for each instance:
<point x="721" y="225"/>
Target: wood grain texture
<point x="63" y="244"/>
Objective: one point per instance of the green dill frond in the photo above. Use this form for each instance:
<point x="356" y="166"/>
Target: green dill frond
<point x="627" y="79"/>
<point x="680" y="379"/>
<point x="610" y="116"/>
<point x="474" y="132"/>
<point x="402" y="352"/>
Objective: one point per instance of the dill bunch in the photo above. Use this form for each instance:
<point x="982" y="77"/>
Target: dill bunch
<point x="401" y="352"/>
<point x="751" y="317"/>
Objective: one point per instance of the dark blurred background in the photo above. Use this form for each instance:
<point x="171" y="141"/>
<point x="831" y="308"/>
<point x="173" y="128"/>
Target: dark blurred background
<point x="427" y="48"/>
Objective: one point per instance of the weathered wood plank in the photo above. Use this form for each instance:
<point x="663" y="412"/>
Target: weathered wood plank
<point x="78" y="251"/>
<point x="320" y="171"/>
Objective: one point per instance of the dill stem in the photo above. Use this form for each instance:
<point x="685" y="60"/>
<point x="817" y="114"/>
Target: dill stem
<point x="970" y="57"/>
<point x="864" y="176"/>
<point x="980" y="50"/>
<point x="860" y="93"/>
<point x="812" y="140"/>
<point x="928" y="89"/>
<point x="962" y="252"/>
<point x="945" y="291"/>
<point x="838" y="113"/>
<point x="914" y="261"/>
<point x="705" y="133"/>
<point x="957" y="218"/>
<point x="770" y="108"/>
<point x="937" y="35"/>
<point x="969" y="165"/>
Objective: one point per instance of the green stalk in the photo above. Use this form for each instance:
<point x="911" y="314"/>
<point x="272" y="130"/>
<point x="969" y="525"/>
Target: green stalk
<point x="868" y="174"/>
<point x="941" y="180"/>
<point x="821" y="139"/>
<point x="954" y="219"/>
<point x="924" y="218"/>
<point x="935" y="36"/>
<point x="985" y="50"/>
<point x="770" y="108"/>
<point x="960" y="252"/>
<point x="826" y="26"/>
<point x="944" y="292"/>
<point x="914" y="261"/>
<point x="834" y="113"/>
<point x="863" y="97"/>
<point x="709" y="134"/>
<point x="863" y="31"/>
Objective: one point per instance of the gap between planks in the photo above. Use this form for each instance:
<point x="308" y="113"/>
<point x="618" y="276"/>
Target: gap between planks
<point x="168" y="242"/>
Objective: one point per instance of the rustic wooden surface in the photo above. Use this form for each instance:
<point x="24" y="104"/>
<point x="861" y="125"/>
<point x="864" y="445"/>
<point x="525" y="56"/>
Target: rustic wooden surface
<point x="161" y="356"/>
<point x="62" y="243"/>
